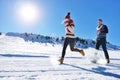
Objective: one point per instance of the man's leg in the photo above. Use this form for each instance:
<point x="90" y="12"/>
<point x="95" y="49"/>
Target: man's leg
<point x="72" y="42"/>
<point x="97" y="44"/>
<point x="103" y="42"/>
<point x="66" y="42"/>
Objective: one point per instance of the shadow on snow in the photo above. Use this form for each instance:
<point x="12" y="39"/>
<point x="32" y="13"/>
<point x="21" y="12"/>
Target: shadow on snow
<point x="21" y="55"/>
<point x="98" y="70"/>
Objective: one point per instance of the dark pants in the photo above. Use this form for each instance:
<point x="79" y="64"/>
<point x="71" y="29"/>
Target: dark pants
<point x="102" y="42"/>
<point x="68" y="41"/>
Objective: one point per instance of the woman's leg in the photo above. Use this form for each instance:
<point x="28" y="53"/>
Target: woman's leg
<point x="66" y="42"/>
<point x="72" y="43"/>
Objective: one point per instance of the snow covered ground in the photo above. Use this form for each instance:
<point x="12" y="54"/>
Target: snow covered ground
<point x="20" y="60"/>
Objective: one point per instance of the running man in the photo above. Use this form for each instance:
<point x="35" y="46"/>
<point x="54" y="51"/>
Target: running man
<point x="102" y="30"/>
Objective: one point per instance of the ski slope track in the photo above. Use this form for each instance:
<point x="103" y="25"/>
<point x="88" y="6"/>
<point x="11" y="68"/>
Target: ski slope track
<point x="26" y="60"/>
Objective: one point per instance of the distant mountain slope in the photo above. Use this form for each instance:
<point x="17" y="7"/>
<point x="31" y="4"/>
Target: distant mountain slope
<point x="80" y="42"/>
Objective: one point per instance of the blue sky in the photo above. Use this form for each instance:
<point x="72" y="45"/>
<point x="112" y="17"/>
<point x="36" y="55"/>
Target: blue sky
<point x="85" y="14"/>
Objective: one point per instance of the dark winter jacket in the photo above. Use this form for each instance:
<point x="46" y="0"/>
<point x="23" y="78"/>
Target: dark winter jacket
<point x="102" y="31"/>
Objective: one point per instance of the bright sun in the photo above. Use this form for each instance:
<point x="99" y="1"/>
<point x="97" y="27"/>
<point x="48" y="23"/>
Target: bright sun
<point x="28" y="13"/>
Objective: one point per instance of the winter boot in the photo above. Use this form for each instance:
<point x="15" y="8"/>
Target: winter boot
<point x="61" y="60"/>
<point x="82" y="53"/>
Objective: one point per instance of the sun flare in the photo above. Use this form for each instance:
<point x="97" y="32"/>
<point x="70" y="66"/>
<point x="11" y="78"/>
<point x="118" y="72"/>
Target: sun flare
<point x="28" y="13"/>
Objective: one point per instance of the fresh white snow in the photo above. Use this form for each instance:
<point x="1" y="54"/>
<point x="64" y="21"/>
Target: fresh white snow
<point x="20" y="60"/>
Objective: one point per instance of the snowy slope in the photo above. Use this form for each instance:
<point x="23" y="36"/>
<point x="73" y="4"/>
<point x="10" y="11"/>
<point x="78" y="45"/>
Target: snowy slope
<point x="21" y="60"/>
